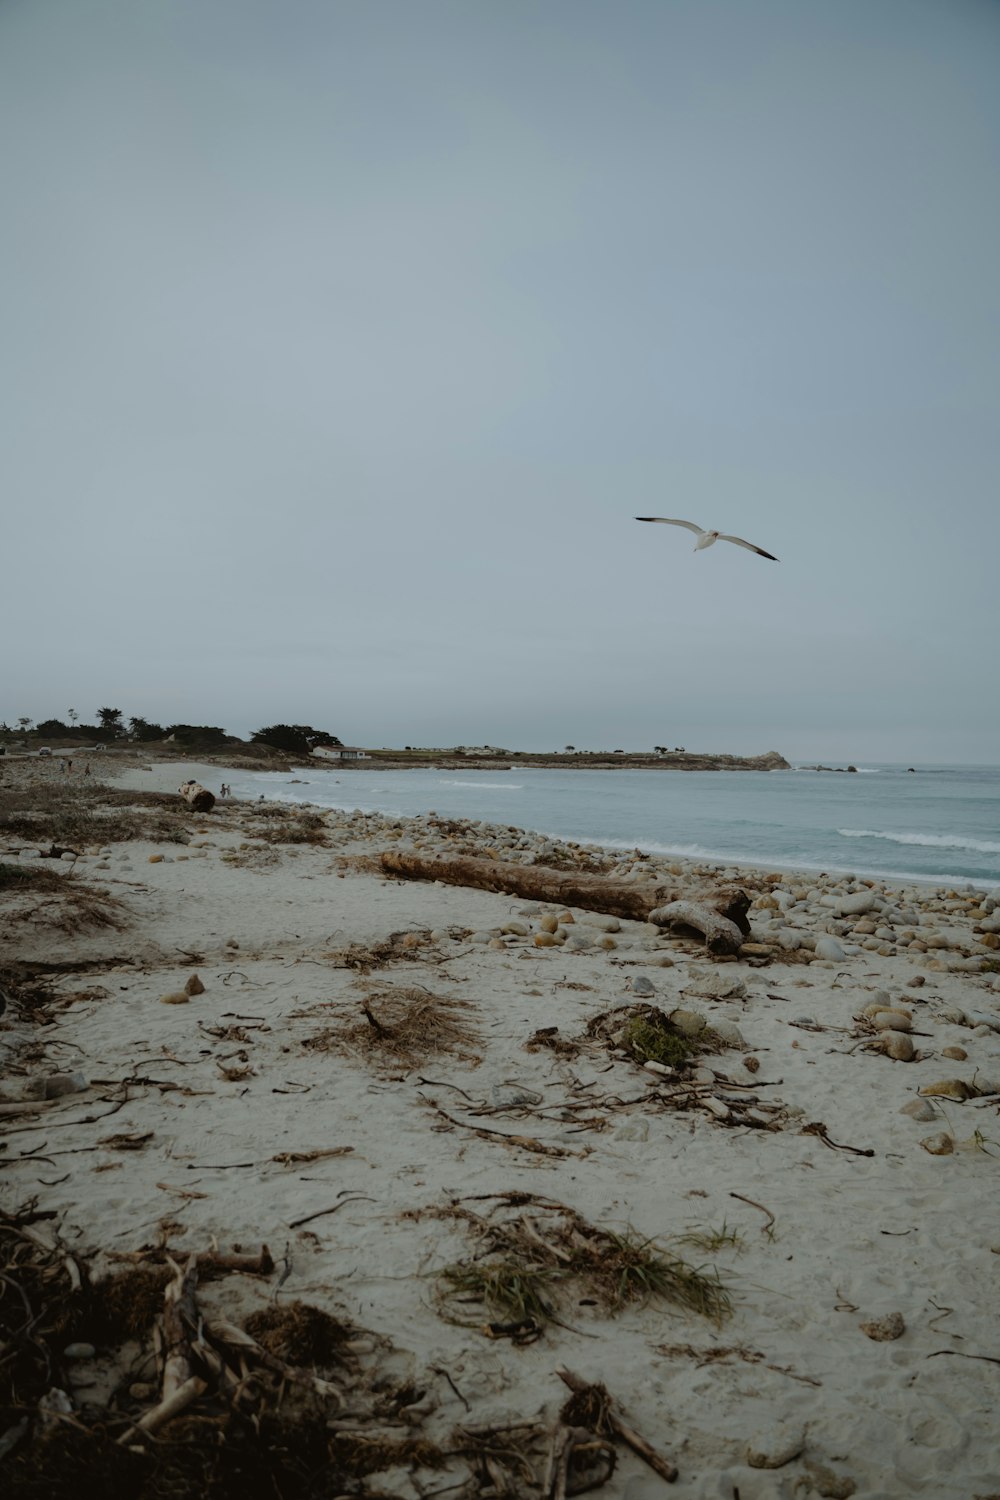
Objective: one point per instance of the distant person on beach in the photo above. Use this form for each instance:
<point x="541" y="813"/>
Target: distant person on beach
<point x="86" y="768"/>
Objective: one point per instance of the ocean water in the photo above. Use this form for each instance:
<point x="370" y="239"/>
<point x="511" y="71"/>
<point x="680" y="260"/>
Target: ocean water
<point x="939" y="823"/>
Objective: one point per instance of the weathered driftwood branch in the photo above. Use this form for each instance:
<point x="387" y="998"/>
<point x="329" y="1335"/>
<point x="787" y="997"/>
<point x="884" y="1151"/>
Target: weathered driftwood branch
<point x="198" y="796"/>
<point x="212" y="1263"/>
<point x="180" y="1314"/>
<point x="720" y="934"/>
<point x="179" y="1387"/>
<point x="635" y="1441"/>
<point x="634" y="903"/>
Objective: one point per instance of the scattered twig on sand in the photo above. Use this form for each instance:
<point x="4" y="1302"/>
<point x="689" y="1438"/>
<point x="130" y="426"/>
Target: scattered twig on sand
<point x="526" y="1142"/>
<point x="816" y="1127"/>
<point x="322" y="1212"/>
<point x="768" y="1228"/>
<point x="295" y="1158"/>
<point x="990" y="1359"/>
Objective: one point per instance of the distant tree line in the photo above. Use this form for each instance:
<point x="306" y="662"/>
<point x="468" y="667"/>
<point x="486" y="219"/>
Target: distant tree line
<point x="111" y="726"/>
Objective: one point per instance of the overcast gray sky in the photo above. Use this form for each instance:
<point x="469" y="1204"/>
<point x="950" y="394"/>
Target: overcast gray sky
<point x="341" y="342"/>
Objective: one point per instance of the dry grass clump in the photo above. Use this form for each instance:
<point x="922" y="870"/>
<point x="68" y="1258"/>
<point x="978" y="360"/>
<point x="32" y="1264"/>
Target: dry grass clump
<point x="61" y="900"/>
<point x="258" y="857"/>
<point x="287" y="824"/>
<point x="82" y="813"/>
<point x="403" y="1025"/>
<point x="397" y="947"/>
<point x="533" y="1265"/>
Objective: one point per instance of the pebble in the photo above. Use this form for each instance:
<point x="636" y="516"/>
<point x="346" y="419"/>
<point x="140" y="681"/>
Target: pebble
<point x="79" y="1351"/>
<point x="949" y="1088"/>
<point x="942" y="1144"/>
<point x="729" y="1033"/>
<point x="884" y="1330"/>
<point x="898" y="1046"/>
<point x="920" y="1109"/>
<point x="688" y="1022"/>
<point x="829" y="948"/>
<point x="830" y="1485"/>
<point x="57" y="1085"/>
<point x="892" y="1020"/>
<point x="716" y="987"/>
<point x="642" y="986"/>
<point x="776" y="1446"/>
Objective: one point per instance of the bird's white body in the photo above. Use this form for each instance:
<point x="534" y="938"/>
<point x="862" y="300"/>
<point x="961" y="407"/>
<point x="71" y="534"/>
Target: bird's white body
<point x="708" y="538"/>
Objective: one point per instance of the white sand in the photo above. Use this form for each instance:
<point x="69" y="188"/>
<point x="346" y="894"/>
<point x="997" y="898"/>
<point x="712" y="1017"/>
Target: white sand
<point x="854" y="1237"/>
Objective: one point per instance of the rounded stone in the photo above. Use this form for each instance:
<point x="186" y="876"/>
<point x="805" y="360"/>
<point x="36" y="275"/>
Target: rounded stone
<point x="776" y="1447"/>
<point x="898" y="1046"/>
<point x="885" y="1329"/>
<point x="892" y="1020"/>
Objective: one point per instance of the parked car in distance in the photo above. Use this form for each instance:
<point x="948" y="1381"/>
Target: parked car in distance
<point x="45" y="750"/>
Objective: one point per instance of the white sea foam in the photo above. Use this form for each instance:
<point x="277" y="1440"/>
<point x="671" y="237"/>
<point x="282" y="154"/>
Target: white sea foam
<point x="928" y="840"/>
<point x="502" y="786"/>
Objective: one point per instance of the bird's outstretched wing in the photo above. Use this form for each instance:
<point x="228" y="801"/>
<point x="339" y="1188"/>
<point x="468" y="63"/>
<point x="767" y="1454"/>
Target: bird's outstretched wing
<point x="666" y="521"/>
<point x="749" y="546"/>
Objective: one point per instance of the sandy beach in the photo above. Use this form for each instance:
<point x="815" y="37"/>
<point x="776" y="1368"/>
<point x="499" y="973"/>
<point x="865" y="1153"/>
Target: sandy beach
<point x="776" y="1251"/>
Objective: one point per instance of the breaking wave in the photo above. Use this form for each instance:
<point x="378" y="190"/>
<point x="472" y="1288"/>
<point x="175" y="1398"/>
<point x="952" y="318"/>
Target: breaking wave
<point x="927" y="840"/>
<point x="502" y="786"/>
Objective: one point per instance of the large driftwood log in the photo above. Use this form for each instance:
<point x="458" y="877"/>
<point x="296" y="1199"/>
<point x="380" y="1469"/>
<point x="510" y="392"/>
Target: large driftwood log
<point x="634" y="903"/>
<point x="534" y="882"/>
<point x="720" y="934"/>
<point x="197" y="796"/>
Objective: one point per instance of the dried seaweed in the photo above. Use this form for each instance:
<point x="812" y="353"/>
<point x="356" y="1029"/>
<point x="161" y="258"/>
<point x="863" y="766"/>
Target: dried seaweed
<point x="525" y="1265"/>
<point x="402" y="1025"/>
<point x="60" y="900"/>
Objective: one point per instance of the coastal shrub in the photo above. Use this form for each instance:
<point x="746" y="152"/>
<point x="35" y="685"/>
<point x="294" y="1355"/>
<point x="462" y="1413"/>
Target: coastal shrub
<point x="298" y="738"/>
<point x="197" y="734"/>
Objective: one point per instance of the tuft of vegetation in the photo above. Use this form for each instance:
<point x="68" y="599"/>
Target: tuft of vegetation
<point x="713" y="1239"/>
<point x="651" y="1038"/>
<point x="648" y="1035"/>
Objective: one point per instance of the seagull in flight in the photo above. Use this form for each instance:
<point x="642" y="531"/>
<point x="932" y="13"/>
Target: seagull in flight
<point x="709" y="538"/>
